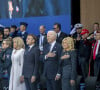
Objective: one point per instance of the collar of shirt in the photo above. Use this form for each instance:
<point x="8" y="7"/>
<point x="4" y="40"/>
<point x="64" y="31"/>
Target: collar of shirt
<point x="52" y="45"/>
<point x="23" y="32"/>
<point x="41" y="39"/>
<point x="98" y="44"/>
<point x="31" y="46"/>
<point x="42" y="34"/>
<point x="59" y="33"/>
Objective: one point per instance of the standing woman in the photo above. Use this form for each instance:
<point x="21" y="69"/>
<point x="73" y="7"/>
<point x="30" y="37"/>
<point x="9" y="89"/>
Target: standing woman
<point x="68" y="64"/>
<point x="17" y="65"/>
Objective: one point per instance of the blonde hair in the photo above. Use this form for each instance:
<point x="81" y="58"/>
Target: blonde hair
<point x="70" y="42"/>
<point x="8" y="42"/>
<point x="19" y="41"/>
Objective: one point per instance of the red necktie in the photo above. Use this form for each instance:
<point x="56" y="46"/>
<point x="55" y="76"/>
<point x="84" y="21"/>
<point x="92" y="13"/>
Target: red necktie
<point x="94" y="51"/>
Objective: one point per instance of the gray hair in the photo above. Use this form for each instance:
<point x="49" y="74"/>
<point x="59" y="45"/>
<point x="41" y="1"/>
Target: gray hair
<point x="54" y="33"/>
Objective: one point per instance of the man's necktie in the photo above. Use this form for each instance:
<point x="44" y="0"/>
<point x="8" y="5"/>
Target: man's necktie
<point x="94" y="51"/>
<point x="41" y="41"/>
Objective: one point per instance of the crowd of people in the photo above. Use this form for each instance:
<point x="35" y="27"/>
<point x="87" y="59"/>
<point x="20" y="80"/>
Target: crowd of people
<point x="49" y="61"/>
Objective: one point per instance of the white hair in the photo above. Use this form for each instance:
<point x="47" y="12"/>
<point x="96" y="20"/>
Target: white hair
<point x="53" y="32"/>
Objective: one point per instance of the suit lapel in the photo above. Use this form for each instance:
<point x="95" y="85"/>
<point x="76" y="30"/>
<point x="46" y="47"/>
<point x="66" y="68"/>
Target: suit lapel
<point x="54" y="47"/>
<point x="31" y="48"/>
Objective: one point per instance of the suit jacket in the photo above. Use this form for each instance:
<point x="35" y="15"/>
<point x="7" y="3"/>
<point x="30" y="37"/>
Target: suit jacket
<point x="98" y="54"/>
<point x="61" y="37"/>
<point x="91" y="61"/>
<point x="84" y="48"/>
<point x="31" y="61"/>
<point x="5" y="60"/>
<point x="68" y="65"/>
<point x="23" y="36"/>
<point x="51" y="64"/>
<point x="44" y="40"/>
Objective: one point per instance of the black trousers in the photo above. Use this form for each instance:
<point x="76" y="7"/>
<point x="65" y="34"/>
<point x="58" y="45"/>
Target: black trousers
<point x="84" y="65"/>
<point x="1" y="88"/>
<point x="4" y="84"/>
<point x="97" y="69"/>
<point x="66" y="84"/>
<point x="53" y="85"/>
<point x="29" y="85"/>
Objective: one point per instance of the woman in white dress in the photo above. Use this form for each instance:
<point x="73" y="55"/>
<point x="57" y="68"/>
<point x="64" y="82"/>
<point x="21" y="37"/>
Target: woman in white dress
<point x="17" y="65"/>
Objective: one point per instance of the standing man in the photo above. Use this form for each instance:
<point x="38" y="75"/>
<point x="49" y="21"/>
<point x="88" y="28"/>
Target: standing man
<point x="30" y="66"/>
<point x="84" y="51"/>
<point x="52" y="52"/>
<point x="60" y="35"/>
<point x="96" y="55"/>
<point x="13" y="31"/>
<point x="42" y="39"/>
<point x="23" y="34"/>
<point x="41" y="42"/>
<point x="6" y="32"/>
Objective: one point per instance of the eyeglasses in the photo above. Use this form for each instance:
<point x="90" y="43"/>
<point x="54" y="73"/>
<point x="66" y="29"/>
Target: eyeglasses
<point x="54" y="28"/>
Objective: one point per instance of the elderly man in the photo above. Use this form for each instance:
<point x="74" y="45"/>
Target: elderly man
<point x="52" y="52"/>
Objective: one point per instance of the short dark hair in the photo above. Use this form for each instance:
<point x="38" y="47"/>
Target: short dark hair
<point x="1" y="32"/>
<point x="24" y="23"/>
<point x="96" y="23"/>
<point x="13" y="26"/>
<point x="33" y="36"/>
<point x="43" y="26"/>
<point x="58" y="25"/>
<point x="7" y="28"/>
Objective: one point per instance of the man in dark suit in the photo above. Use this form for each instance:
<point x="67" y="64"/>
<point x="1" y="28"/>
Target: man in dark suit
<point x="96" y="55"/>
<point x="94" y="67"/>
<point x="52" y="52"/>
<point x="13" y="31"/>
<point x="84" y="51"/>
<point x="60" y="35"/>
<point x="42" y="38"/>
<point x="41" y="42"/>
<point x="6" y="32"/>
<point x="30" y="66"/>
<point x="22" y="33"/>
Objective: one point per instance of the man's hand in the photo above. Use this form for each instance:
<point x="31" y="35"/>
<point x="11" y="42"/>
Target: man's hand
<point x="72" y="82"/>
<point x="21" y="79"/>
<point x="33" y="79"/>
<point x="57" y="77"/>
<point x="50" y="54"/>
<point x="10" y="6"/>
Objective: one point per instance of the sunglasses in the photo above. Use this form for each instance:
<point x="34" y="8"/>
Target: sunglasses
<point x="54" y="28"/>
